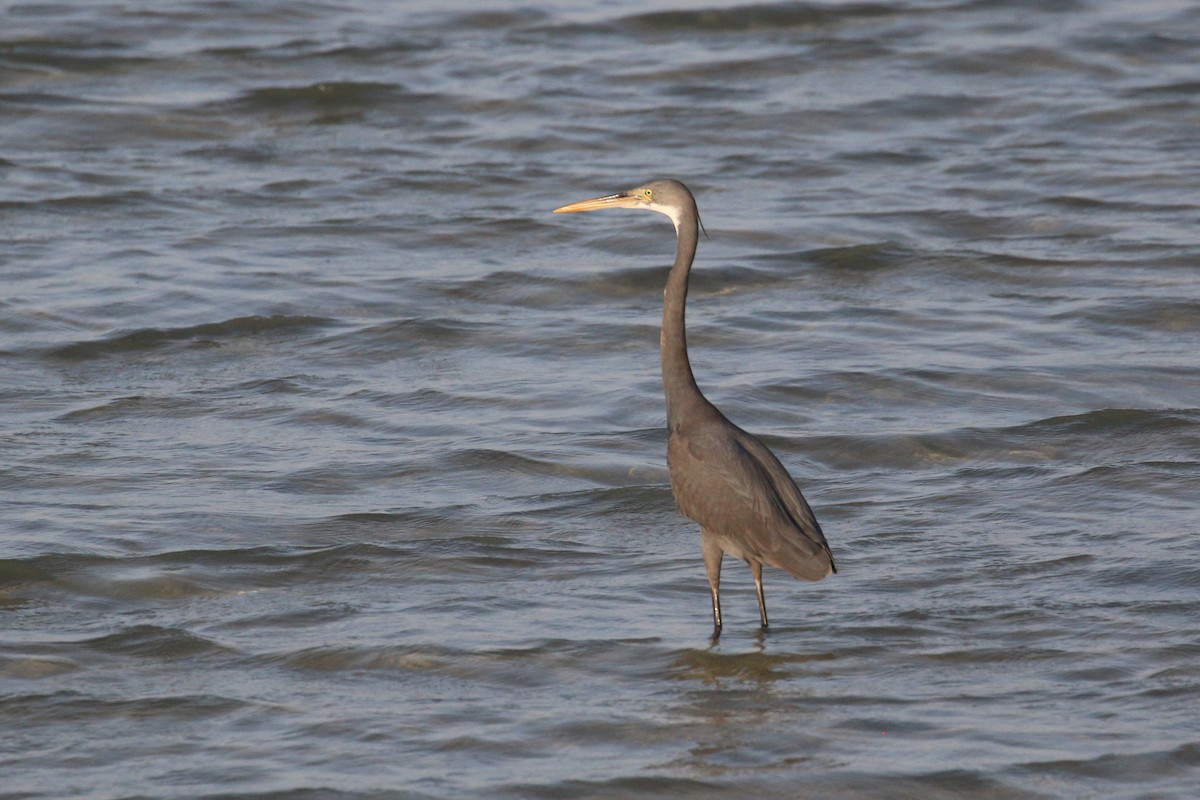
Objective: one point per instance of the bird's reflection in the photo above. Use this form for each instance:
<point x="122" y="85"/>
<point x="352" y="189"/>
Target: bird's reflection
<point x="750" y="660"/>
<point x="737" y="690"/>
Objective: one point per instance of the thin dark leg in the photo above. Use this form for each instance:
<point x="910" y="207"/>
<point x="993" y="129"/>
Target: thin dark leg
<point x="756" y="570"/>
<point x="712" y="565"/>
<point x="716" y="598"/>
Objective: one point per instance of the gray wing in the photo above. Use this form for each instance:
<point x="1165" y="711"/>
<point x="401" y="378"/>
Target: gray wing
<point x="796" y="507"/>
<point x="736" y="487"/>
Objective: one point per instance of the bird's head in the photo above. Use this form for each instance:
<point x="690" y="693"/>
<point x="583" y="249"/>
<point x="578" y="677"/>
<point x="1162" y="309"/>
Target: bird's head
<point x="664" y="196"/>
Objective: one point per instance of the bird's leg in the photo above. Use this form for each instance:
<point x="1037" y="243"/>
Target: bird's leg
<point x="712" y="565"/>
<point x="716" y="597"/>
<point x="756" y="571"/>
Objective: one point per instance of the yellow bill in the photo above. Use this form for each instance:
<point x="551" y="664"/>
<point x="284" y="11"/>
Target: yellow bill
<point x="622" y="200"/>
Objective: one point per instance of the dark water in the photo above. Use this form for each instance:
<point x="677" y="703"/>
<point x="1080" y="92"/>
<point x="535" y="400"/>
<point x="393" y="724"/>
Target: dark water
<point x="333" y="462"/>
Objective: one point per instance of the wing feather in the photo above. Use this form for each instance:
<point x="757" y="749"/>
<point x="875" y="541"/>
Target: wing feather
<point x="734" y="486"/>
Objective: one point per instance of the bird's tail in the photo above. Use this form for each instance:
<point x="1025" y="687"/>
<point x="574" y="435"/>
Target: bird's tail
<point x="805" y="559"/>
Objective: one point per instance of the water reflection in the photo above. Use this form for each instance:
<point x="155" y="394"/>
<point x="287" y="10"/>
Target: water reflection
<point x="762" y="661"/>
<point x="740" y="701"/>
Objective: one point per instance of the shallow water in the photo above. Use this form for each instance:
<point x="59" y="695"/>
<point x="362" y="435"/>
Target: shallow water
<point x="334" y="462"/>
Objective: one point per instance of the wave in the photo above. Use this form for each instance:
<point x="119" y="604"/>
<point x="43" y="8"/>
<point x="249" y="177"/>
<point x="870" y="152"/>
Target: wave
<point x="210" y="334"/>
<point x="331" y="102"/>
<point x="765" y="16"/>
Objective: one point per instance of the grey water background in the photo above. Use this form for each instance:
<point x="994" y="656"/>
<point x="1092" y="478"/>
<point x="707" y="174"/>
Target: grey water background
<point x="333" y="462"/>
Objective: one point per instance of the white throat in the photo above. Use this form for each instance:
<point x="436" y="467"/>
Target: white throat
<point x="670" y="211"/>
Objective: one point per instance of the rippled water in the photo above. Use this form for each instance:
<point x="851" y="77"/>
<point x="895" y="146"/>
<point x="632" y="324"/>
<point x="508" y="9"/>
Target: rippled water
<point x="333" y="462"/>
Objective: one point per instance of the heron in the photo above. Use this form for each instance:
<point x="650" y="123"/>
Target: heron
<point x="724" y="479"/>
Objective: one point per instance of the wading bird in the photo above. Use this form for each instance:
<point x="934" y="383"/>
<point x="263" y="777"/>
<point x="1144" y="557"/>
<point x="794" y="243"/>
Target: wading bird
<point x="723" y="478"/>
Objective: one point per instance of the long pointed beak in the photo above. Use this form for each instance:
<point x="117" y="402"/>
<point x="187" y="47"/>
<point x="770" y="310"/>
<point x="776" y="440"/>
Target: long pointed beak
<point x="608" y="201"/>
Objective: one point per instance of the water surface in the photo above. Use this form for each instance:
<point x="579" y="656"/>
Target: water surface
<point x="333" y="462"/>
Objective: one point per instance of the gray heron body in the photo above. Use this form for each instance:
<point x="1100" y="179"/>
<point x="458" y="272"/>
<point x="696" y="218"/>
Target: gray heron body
<point x="724" y="479"/>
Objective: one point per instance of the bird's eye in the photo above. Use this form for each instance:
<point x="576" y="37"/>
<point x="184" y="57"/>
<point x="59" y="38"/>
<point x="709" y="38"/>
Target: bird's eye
<point x="649" y="194"/>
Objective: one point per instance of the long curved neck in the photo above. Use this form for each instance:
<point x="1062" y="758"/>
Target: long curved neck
<point x="678" y="381"/>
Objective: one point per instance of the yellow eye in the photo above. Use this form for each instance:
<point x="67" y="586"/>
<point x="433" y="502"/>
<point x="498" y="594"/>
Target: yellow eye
<point x="649" y="194"/>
